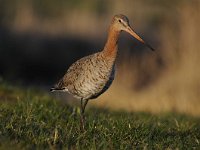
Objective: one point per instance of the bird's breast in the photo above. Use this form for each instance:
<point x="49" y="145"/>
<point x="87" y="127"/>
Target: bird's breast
<point x="95" y="78"/>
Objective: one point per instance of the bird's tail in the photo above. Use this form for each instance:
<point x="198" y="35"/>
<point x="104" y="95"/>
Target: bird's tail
<point x="56" y="89"/>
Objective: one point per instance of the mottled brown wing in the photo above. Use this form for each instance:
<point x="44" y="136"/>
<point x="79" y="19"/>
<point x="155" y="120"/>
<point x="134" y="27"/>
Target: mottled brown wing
<point x="73" y="73"/>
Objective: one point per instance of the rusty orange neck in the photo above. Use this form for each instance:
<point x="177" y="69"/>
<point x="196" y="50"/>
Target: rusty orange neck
<point x="111" y="47"/>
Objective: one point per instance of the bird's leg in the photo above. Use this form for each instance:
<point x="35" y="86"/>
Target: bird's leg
<point x="82" y="117"/>
<point x="86" y="101"/>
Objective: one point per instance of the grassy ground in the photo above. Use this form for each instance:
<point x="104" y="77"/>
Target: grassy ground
<point x="31" y="119"/>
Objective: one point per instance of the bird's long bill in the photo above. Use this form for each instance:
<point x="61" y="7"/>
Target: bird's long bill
<point x="134" y="34"/>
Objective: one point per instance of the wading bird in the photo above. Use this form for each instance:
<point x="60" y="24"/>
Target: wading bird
<point x="92" y="75"/>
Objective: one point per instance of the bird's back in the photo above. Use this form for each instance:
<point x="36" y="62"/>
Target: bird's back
<point x="88" y="77"/>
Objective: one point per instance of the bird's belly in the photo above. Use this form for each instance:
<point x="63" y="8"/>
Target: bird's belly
<point x="93" y="85"/>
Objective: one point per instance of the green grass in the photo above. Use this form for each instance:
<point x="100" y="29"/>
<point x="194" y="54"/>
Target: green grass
<point x="31" y="119"/>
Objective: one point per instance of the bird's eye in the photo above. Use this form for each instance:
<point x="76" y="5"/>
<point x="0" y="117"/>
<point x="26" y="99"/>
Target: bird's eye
<point x="120" y="20"/>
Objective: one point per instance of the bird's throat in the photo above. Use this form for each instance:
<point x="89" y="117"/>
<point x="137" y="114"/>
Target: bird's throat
<point x="111" y="47"/>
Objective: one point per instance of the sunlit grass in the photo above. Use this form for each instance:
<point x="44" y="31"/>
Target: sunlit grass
<point x="39" y="121"/>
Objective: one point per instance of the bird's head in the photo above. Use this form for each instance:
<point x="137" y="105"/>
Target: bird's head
<point x="121" y="23"/>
